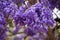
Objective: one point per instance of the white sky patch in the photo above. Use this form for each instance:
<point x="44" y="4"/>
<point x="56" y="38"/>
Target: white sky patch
<point x="56" y="12"/>
<point x="26" y="2"/>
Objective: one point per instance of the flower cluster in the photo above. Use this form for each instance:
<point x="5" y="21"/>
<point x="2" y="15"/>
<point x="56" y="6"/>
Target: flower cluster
<point x="3" y="28"/>
<point x="35" y="18"/>
<point x="7" y="11"/>
<point x="54" y="3"/>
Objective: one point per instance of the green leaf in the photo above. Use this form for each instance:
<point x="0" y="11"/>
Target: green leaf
<point x="10" y="22"/>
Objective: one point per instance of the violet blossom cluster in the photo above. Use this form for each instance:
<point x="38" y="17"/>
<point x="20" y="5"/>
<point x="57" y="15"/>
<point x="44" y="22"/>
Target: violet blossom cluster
<point x="7" y="11"/>
<point x="35" y="18"/>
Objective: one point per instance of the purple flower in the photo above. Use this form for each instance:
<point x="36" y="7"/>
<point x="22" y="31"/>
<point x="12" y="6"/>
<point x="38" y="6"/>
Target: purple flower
<point x="18" y="18"/>
<point x="29" y="32"/>
<point x="18" y="27"/>
<point x="10" y="10"/>
<point x="2" y="21"/>
<point x="3" y="4"/>
<point x="37" y="19"/>
<point x="3" y="33"/>
<point x="3" y="28"/>
<point x="53" y="3"/>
